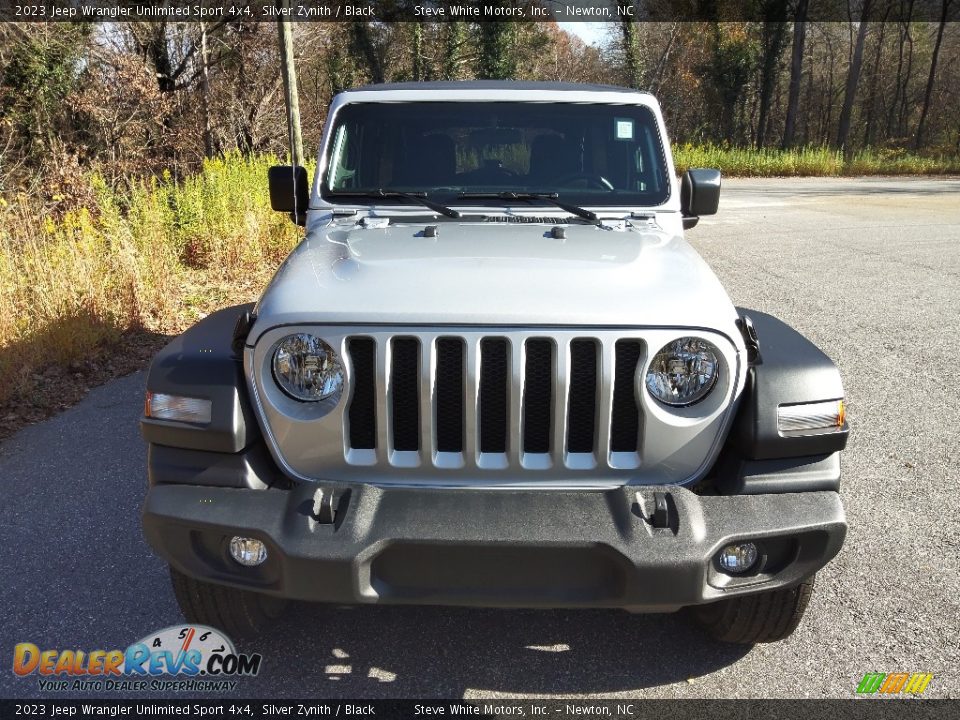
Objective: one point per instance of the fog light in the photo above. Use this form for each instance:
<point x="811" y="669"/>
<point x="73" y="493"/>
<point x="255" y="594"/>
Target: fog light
<point x="738" y="558"/>
<point x="248" y="551"/>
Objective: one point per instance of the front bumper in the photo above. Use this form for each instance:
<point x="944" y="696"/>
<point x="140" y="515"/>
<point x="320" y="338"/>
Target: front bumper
<point x="494" y="548"/>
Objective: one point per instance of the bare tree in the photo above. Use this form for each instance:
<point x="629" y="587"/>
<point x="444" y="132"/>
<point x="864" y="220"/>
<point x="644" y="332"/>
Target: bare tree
<point x="655" y="80"/>
<point x="853" y="78"/>
<point x="418" y="62"/>
<point x="774" y="39"/>
<point x="631" y="44"/>
<point x="361" y="43"/>
<point x="497" y="59"/>
<point x="455" y="46"/>
<point x="899" y="85"/>
<point x="918" y="140"/>
<point x="796" y="73"/>
<point x="875" y="81"/>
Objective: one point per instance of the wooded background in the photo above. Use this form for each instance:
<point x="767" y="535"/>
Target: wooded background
<point x="133" y="157"/>
<point x="135" y="99"/>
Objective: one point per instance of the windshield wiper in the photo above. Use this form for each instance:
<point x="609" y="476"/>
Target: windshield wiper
<point x="549" y="197"/>
<point x="420" y="197"/>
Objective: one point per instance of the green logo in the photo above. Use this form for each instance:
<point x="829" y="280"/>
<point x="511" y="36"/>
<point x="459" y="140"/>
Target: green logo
<point x="893" y="683"/>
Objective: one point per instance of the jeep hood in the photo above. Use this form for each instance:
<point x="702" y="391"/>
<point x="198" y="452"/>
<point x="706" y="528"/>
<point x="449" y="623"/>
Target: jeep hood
<point x="494" y="274"/>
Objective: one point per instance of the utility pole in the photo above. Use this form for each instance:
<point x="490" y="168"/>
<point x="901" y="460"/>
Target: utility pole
<point x="289" y="73"/>
<point x="205" y="92"/>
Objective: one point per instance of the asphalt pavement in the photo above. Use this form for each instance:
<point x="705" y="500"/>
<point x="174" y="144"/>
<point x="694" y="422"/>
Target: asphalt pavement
<point x="868" y="269"/>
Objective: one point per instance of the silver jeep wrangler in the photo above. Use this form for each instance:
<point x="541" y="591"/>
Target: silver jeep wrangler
<point x="493" y="373"/>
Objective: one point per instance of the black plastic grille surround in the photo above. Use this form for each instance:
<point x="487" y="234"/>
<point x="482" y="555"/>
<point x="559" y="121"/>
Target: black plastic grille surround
<point x="405" y="378"/>
<point x="582" y="402"/>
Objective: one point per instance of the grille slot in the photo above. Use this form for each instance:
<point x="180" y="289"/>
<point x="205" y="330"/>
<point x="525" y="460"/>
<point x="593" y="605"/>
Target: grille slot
<point x="537" y="396"/>
<point x="493" y="395"/>
<point x="405" y="386"/>
<point x="582" y="404"/>
<point x="625" y="420"/>
<point x="363" y="415"/>
<point x="449" y="395"/>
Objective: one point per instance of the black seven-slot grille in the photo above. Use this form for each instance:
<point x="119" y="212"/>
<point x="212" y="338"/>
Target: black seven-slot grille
<point x="537" y="396"/>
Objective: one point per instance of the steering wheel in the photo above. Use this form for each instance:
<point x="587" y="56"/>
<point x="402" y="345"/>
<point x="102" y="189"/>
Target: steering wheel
<point x="583" y="179"/>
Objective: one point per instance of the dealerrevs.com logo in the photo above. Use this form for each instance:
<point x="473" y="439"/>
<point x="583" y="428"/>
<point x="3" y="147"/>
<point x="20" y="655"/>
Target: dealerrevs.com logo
<point x="177" y="658"/>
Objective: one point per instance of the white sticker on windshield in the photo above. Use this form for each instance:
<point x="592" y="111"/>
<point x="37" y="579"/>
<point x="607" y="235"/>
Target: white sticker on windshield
<point x="624" y="129"/>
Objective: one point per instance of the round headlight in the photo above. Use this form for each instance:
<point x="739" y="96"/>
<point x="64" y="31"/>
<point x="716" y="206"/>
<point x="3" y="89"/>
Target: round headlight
<point x="683" y="372"/>
<point x="307" y="369"/>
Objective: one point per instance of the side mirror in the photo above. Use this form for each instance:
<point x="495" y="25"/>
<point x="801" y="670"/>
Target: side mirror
<point x="289" y="191"/>
<point x="699" y="195"/>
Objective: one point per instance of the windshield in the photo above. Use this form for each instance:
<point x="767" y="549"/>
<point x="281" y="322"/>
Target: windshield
<point x="588" y="154"/>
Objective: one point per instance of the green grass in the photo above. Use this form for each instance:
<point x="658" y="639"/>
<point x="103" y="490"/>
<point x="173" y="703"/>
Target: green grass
<point x="810" y="161"/>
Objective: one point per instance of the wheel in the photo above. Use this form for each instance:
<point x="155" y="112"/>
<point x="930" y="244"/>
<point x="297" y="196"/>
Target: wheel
<point x="761" y="618"/>
<point x="239" y="613"/>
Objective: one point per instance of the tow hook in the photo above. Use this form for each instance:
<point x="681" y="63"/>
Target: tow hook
<point x="324" y="507"/>
<point x="656" y="511"/>
<point x="661" y="510"/>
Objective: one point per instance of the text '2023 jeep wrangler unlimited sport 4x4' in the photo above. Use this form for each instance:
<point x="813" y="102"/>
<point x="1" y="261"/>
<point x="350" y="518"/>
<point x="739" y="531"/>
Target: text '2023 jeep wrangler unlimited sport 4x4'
<point x="493" y="373"/>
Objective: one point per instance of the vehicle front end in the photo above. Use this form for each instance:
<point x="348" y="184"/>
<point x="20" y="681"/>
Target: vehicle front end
<point x="491" y="376"/>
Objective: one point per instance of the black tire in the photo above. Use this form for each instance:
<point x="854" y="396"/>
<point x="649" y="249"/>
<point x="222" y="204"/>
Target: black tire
<point x="761" y="618"/>
<point x="239" y="613"/>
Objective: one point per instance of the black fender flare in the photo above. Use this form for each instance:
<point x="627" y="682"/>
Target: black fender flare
<point x="790" y="369"/>
<point x="201" y="363"/>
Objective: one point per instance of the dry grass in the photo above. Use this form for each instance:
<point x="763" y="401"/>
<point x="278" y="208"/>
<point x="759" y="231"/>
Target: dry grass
<point x="153" y="259"/>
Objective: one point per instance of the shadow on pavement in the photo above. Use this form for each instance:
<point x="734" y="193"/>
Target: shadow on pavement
<point x="373" y="652"/>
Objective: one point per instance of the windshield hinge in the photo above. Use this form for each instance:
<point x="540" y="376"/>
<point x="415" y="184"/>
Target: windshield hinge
<point x="375" y="222"/>
<point x="639" y="219"/>
<point x="750" y="339"/>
